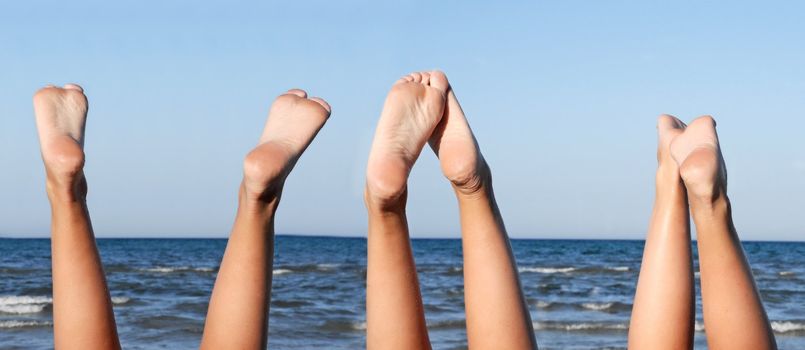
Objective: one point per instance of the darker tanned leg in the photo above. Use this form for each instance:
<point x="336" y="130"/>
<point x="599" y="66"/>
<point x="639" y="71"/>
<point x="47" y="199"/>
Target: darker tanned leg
<point x="734" y="317"/>
<point x="394" y="312"/>
<point x="497" y="315"/>
<point x="238" y="313"/>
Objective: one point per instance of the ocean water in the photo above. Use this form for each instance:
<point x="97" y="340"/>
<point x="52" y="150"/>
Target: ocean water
<point x="579" y="292"/>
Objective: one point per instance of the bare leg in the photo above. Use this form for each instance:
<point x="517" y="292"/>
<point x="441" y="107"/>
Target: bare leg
<point x="82" y="310"/>
<point x="664" y="309"/>
<point x="394" y="313"/>
<point x="497" y="315"/>
<point x="238" y="313"/>
<point x="733" y="312"/>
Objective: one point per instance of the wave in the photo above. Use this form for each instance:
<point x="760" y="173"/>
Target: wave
<point x="120" y="300"/>
<point x="306" y="268"/>
<point x="166" y="269"/>
<point x="569" y="269"/>
<point x="278" y="272"/>
<point x="32" y="304"/>
<point x="788" y="327"/>
<point x="619" y="268"/>
<point x="787" y="273"/>
<point x="597" y="306"/>
<point x="581" y="326"/>
<point x="24" y="304"/>
<point x="24" y="324"/>
<point x="547" y="269"/>
<point x="610" y="307"/>
<point x="779" y="327"/>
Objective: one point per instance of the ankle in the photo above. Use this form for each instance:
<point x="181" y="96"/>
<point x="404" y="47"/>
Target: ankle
<point x="73" y="189"/>
<point x="384" y="202"/>
<point x="259" y="203"/>
<point x="473" y="183"/>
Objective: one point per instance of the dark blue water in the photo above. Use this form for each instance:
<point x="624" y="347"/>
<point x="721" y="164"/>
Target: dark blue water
<point x="579" y="292"/>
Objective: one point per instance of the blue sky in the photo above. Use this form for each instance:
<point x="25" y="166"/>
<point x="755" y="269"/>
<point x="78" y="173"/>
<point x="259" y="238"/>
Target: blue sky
<point x="563" y="97"/>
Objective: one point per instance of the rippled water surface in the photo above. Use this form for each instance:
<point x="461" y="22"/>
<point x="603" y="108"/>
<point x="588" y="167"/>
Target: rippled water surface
<point x="579" y="292"/>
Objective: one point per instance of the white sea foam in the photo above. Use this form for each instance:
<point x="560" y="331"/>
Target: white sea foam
<point x="166" y="269"/>
<point x="359" y="326"/>
<point x="326" y="267"/>
<point x="583" y="326"/>
<point x="597" y="306"/>
<point x="24" y="299"/>
<point x="22" y="309"/>
<point x="787" y="326"/>
<point x="776" y="326"/>
<point x="543" y="304"/>
<point x="547" y="269"/>
<point x="22" y="324"/>
<point x="120" y="300"/>
<point x="23" y="304"/>
<point x="280" y="272"/>
<point x="787" y="273"/>
<point x="619" y="268"/>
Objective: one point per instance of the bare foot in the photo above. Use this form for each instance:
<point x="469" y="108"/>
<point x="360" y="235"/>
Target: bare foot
<point x="413" y="108"/>
<point x="698" y="155"/>
<point x="293" y="122"/>
<point x="455" y="145"/>
<point x="668" y="128"/>
<point x="61" y="115"/>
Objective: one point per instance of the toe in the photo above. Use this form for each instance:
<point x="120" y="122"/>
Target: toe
<point x="439" y="80"/>
<point x="72" y="86"/>
<point x="667" y="121"/>
<point x="416" y="77"/>
<point x="425" y="78"/>
<point x="323" y="103"/>
<point x="298" y="92"/>
<point x="705" y="120"/>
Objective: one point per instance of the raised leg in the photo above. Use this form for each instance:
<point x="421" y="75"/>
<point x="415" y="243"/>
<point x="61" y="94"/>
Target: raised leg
<point x="664" y="305"/>
<point x="733" y="312"/>
<point x="394" y="312"/>
<point x="82" y="310"/>
<point x="238" y="313"/>
<point x="497" y="315"/>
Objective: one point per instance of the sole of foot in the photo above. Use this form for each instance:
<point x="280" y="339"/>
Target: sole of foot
<point x="293" y="122"/>
<point x="61" y="114"/>
<point x="457" y="149"/>
<point x="698" y="155"/>
<point x="412" y="110"/>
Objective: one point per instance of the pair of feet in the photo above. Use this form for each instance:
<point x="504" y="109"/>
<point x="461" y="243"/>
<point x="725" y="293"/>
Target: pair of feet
<point x="294" y="120"/>
<point x="420" y="108"/>
<point x="692" y="153"/>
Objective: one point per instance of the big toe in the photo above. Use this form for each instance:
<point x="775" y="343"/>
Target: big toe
<point x="438" y="80"/>
<point x="667" y="121"/>
<point x="72" y="86"/>
<point x="323" y="103"/>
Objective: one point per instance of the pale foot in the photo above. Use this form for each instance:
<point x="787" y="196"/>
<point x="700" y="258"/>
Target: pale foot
<point x="293" y="122"/>
<point x="413" y="108"/>
<point x="459" y="155"/>
<point x="61" y="115"/>
<point x="668" y="128"/>
<point x="698" y="155"/>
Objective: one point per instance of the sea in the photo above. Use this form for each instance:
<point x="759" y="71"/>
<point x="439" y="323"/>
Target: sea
<point x="579" y="291"/>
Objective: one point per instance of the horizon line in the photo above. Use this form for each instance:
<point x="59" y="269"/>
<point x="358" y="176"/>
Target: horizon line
<point x="3" y="236"/>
